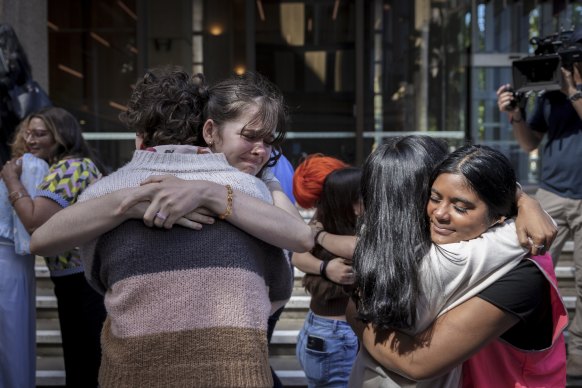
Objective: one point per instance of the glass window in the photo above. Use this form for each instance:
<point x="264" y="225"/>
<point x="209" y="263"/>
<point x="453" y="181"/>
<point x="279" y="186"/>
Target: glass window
<point x="93" y="55"/>
<point x="308" y="49"/>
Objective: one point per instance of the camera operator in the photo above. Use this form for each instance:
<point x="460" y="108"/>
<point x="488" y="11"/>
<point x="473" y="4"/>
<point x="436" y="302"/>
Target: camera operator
<point x="558" y="116"/>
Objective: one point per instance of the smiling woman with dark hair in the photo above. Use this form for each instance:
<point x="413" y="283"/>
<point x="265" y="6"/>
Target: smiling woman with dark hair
<point x="475" y="257"/>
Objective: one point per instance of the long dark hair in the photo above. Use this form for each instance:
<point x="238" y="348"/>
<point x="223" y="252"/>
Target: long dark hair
<point x="69" y="141"/>
<point x="335" y="208"/>
<point x="489" y="174"/>
<point x="394" y="234"/>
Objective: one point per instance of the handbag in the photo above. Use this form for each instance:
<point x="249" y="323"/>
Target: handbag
<point x="28" y="98"/>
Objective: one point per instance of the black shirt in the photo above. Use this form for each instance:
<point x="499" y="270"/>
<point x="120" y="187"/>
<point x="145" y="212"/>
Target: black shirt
<point x="525" y="293"/>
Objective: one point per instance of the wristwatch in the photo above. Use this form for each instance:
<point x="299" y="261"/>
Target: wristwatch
<point x="576" y="96"/>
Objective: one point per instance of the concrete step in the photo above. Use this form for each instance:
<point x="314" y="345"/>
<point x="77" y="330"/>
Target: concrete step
<point x="46" y="302"/>
<point x="288" y="370"/>
<point x="564" y="272"/>
<point x="50" y="378"/>
<point x="50" y="371"/>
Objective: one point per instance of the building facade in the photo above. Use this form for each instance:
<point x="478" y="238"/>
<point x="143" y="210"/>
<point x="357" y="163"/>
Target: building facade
<point x="353" y="71"/>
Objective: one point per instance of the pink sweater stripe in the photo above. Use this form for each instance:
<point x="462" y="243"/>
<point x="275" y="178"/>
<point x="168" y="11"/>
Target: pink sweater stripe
<point x="187" y="299"/>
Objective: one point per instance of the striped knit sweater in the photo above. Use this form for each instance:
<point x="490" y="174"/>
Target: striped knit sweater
<point x="185" y="308"/>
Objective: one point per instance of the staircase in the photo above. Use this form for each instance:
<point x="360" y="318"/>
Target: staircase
<point x="50" y="370"/>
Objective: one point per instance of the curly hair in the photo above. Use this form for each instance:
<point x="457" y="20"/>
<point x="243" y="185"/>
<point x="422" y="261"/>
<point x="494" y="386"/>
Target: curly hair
<point x="167" y="107"/>
<point x="18" y="143"/>
<point x="170" y="107"/>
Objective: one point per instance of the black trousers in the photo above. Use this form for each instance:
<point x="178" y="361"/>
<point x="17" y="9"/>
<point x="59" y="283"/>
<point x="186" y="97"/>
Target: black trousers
<point x="81" y="316"/>
<point x="270" y="329"/>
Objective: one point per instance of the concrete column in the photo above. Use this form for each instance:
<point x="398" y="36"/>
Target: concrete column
<point x="29" y="20"/>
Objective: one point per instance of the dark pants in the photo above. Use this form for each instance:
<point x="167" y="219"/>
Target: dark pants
<point x="270" y="329"/>
<point x="81" y="316"/>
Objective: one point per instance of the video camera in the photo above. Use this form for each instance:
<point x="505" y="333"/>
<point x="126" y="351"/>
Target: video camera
<point x="541" y="71"/>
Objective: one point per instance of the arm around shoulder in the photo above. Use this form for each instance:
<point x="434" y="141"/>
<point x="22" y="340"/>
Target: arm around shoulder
<point x="452" y="339"/>
<point x="339" y="245"/>
<point x="275" y="225"/>
<point x="80" y="223"/>
<point x="175" y="197"/>
<point x="306" y="262"/>
<point x="536" y="230"/>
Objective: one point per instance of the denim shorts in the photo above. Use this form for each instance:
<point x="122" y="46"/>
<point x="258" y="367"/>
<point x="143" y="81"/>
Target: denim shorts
<point x="336" y="346"/>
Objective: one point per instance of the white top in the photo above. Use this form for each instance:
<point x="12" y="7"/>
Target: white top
<point x="11" y="228"/>
<point x="450" y="275"/>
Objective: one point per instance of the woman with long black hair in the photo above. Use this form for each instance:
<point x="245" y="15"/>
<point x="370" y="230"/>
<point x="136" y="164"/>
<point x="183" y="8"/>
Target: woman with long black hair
<point x="463" y="249"/>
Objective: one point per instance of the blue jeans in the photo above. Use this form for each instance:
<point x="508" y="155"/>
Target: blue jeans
<point x="327" y="362"/>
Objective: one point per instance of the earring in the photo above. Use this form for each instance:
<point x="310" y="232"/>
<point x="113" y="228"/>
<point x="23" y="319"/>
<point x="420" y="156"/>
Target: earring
<point x="210" y="143"/>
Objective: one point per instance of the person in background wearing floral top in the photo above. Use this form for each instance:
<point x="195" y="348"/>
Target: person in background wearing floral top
<point x="54" y="135"/>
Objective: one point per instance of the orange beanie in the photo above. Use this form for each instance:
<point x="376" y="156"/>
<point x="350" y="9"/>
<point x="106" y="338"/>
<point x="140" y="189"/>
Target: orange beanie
<point x="309" y="177"/>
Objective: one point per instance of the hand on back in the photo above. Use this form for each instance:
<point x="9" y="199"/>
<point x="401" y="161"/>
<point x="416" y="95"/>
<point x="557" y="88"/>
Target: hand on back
<point x="536" y="230"/>
<point x="163" y="201"/>
<point x="339" y="270"/>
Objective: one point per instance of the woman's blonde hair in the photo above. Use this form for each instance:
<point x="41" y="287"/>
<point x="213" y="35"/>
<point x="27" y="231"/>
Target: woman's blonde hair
<point x="18" y="144"/>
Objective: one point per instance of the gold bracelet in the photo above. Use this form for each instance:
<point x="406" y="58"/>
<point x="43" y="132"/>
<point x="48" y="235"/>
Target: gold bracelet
<point x="229" y="196"/>
<point x="16" y="195"/>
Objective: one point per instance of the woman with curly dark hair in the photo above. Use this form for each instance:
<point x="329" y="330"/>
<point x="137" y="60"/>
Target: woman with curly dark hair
<point x="190" y="308"/>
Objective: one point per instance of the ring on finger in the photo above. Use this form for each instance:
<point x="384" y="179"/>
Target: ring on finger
<point x="161" y="216"/>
